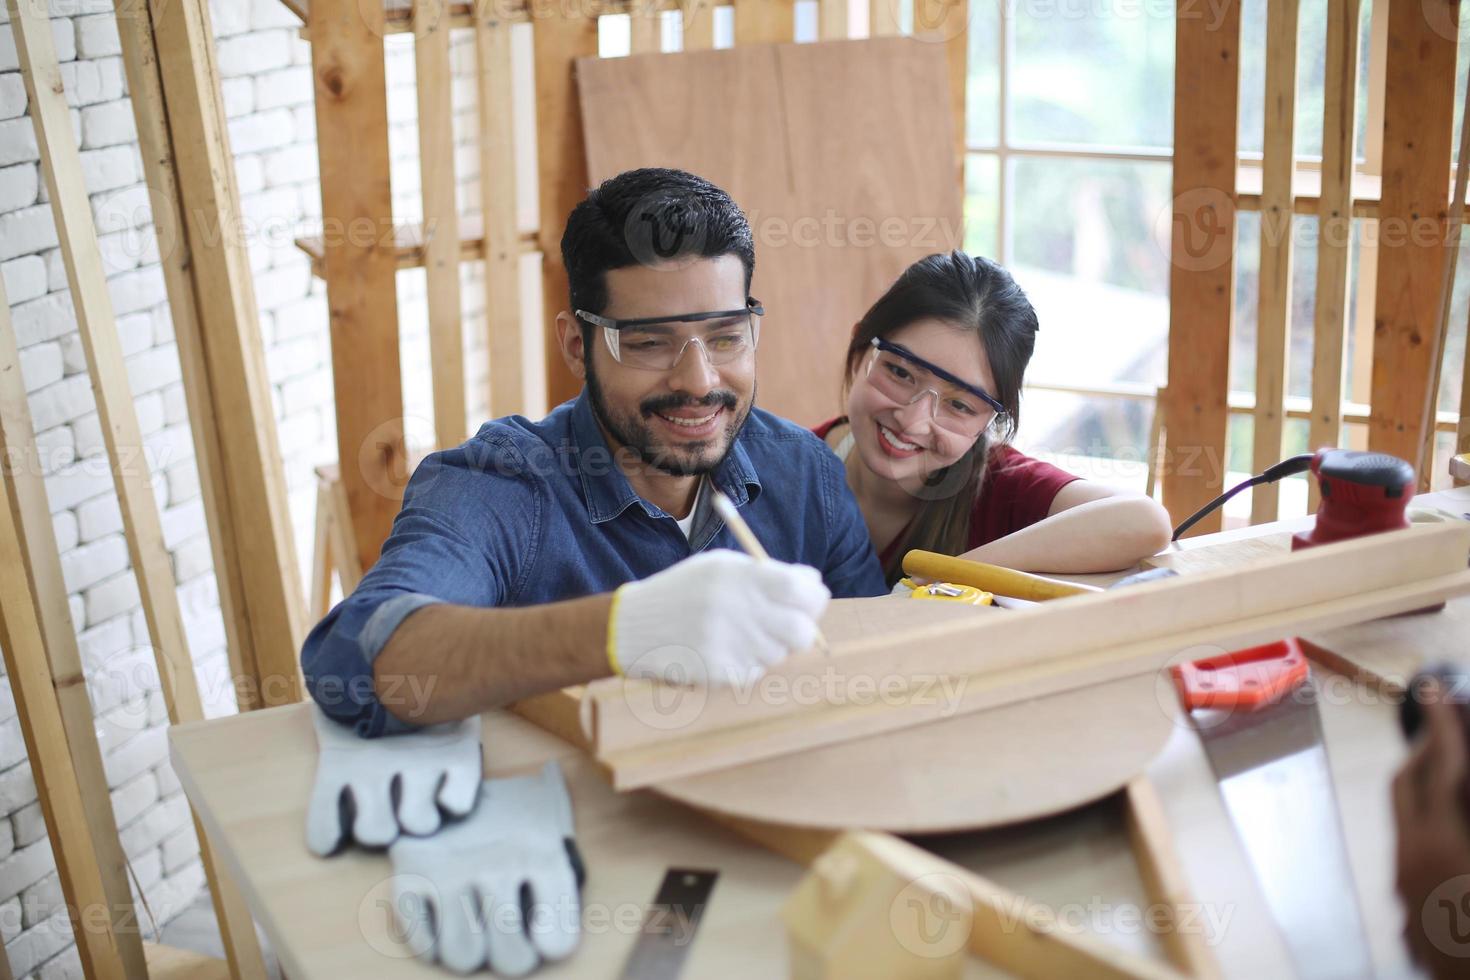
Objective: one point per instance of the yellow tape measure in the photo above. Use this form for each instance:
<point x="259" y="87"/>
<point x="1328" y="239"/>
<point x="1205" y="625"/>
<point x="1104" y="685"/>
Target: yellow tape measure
<point x="949" y="592"/>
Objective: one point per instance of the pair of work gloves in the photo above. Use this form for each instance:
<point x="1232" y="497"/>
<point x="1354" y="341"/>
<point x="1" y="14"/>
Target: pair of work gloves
<point x="485" y="872"/>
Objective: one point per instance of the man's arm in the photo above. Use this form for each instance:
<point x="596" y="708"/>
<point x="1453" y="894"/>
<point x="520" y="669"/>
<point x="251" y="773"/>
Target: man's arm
<point x="448" y="662"/>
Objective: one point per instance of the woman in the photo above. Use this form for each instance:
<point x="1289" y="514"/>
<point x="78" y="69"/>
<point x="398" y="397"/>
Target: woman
<point x="933" y="395"/>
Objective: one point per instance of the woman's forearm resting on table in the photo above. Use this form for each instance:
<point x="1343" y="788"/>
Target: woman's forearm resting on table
<point x="447" y="662"/>
<point x="1102" y="534"/>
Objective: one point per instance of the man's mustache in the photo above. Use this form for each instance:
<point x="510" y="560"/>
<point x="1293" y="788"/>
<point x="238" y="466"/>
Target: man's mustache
<point x="663" y="403"/>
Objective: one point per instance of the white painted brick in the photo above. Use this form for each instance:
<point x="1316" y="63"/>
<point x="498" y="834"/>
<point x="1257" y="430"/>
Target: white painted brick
<point x="182" y="522"/>
<point x="148" y="870"/>
<point x="19" y="186"/>
<point x="120" y="210"/>
<point x="65" y="965"/>
<point x="177" y="892"/>
<point x="89" y="564"/>
<point x="41" y="319"/>
<point x="109" y="168"/>
<point x="168" y="780"/>
<point x="17" y="788"/>
<point x="25" y="278"/>
<point x="159" y="822"/>
<point x="229" y="17"/>
<point x="167" y="447"/>
<point x="7" y="839"/>
<point x="125" y="722"/>
<point x="304" y="118"/>
<point x="7" y="712"/>
<point x="136" y="756"/>
<point x="239" y="97"/>
<point x="286" y="87"/>
<point x="12" y="95"/>
<point x="183" y="482"/>
<point x="133" y="797"/>
<point x="302" y="317"/>
<point x="292" y="165"/>
<point x="61" y="33"/>
<point x="99" y="517"/>
<point x="84" y="83"/>
<point x="12" y="745"/>
<point x="63" y="401"/>
<point x="193" y="558"/>
<point x="66" y="530"/>
<point x="97" y="36"/>
<point x="294" y="358"/>
<point x="127" y="676"/>
<point x="24" y="868"/>
<point x="109" y="123"/>
<point x="41" y="901"/>
<point x="77" y="609"/>
<point x="163" y="325"/>
<point x="138" y="290"/>
<point x="251" y="54"/>
<point x="87" y="438"/>
<point x="18" y="141"/>
<point x="110" y="598"/>
<point x="120" y="251"/>
<point x="27" y="230"/>
<point x="100" y="643"/>
<point x="72" y="484"/>
<point x="306" y="393"/>
<point x="249" y="173"/>
<point x="10" y="912"/>
<point x="157" y="710"/>
<point x="29" y="825"/>
<point x="38" y="944"/>
<point x="175" y="404"/>
<point x="272" y="13"/>
<point x="180" y="848"/>
<point x="40" y="365"/>
<point x="150" y="412"/>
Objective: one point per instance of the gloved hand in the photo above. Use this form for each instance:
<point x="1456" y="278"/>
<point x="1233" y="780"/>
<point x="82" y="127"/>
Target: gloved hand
<point x="353" y="796"/>
<point x="720" y="618"/>
<point x="459" y="895"/>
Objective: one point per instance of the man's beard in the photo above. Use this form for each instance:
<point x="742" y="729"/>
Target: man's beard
<point x="636" y="434"/>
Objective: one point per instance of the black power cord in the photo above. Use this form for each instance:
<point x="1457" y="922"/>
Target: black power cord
<point x="1285" y="468"/>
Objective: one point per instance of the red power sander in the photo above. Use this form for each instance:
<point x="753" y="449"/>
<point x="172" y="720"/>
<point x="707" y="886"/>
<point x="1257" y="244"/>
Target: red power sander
<point x="1362" y="493"/>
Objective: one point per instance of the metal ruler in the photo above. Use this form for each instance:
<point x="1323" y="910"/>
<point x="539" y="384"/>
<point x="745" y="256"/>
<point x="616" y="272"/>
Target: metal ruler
<point x="670" y="924"/>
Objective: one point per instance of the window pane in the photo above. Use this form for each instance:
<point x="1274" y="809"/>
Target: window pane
<point x="1090" y="246"/>
<point x="1078" y="77"/>
<point x="982" y="204"/>
<point x="982" y="88"/>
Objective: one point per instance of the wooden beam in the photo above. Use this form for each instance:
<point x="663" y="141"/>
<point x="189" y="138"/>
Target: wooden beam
<point x="698" y="20"/>
<point x="1417" y="122"/>
<point x="44" y="665"/>
<point x="946" y="22"/>
<point x="559" y="38"/>
<point x="509" y="337"/>
<point x="408" y="245"/>
<point x="1202" y="267"/>
<point x="1334" y="230"/>
<point x="764" y="21"/>
<point x="362" y="297"/>
<point x="441" y="219"/>
<point x="1273" y="310"/>
<point x="883" y="18"/>
<point x="152" y="565"/>
<point x="645" y="28"/>
<point x="1164" y="880"/>
<point x="174" y="86"/>
<point x="832" y="16"/>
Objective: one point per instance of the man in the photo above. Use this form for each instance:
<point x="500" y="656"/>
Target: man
<point x="543" y="554"/>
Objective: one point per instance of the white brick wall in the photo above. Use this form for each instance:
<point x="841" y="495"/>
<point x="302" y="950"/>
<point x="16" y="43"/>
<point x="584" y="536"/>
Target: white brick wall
<point x="267" y="94"/>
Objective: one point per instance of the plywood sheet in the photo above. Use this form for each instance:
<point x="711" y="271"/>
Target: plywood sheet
<point x="840" y="155"/>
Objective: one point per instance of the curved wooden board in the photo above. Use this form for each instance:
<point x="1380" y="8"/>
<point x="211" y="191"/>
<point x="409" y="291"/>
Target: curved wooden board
<point x="969" y="772"/>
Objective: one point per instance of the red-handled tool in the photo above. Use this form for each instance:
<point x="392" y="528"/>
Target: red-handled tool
<point x="1243" y="679"/>
<point x="1256" y="713"/>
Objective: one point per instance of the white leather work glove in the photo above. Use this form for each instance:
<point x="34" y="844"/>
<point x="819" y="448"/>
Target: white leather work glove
<point x="369" y="789"/>
<point x="500" y="888"/>
<point x="720" y="618"/>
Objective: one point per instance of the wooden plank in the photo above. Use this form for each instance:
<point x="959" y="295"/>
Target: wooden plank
<point x="1273" y="311"/>
<point x="832" y="18"/>
<point x="408" y="245"/>
<point x="946" y="22"/>
<point x="1202" y="267"/>
<point x="44" y="665"/>
<point x="1334" y="230"/>
<point x="698" y="20"/>
<point x="319" y="599"/>
<point x="175" y="91"/>
<point x="509" y="334"/>
<point x="558" y="40"/>
<point x="173" y="963"/>
<point x="152" y="566"/>
<point x="883" y="18"/>
<point x="1417" y="121"/>
<point x="1164" y="879"/>
<point x="764" y="21"/>
<point x="1054" y="647"/>
<point x="441" y="214"/>
<point x="645" y="28"/>
<point x="362" y="298"/>
<point x="837" y="216"/>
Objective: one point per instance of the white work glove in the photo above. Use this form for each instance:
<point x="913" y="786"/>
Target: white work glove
<point x="500" y="887"/>
<point x="720" y="619"/>
<point x="368" y="789"/>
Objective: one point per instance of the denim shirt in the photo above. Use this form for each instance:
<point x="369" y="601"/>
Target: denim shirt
<point x="533" y="512"/>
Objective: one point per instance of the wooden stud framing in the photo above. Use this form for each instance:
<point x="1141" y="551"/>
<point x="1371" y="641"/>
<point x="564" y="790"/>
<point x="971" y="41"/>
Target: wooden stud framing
<point x="44" y="664"/>
<point x="508" y="333"/>
<point x="947" y="22"/>
<point x="832" y="20"/>
<point x="1202" y="268"/>
<point x="441" y="219"/>
<point x="883" y="18"/>
<point x="1334" y="229"/>
<point x="175" y="92"/>
<point x="698" y="19"/>
<point x="559" y="37"/>
<point x="1417" y="121"/>
<point x="362" y="297"/>
<point x="62" y="168"/>
<point x="1273" y="316"/>
<point x="645" y="28"/>
<point x="764" y="21"/>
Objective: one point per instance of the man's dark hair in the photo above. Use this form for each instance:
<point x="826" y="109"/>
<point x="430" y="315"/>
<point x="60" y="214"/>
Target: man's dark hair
<point x="649" y="217"/>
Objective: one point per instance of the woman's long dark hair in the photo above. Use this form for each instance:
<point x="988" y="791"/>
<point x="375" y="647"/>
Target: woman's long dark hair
<point x="969" y="293"/>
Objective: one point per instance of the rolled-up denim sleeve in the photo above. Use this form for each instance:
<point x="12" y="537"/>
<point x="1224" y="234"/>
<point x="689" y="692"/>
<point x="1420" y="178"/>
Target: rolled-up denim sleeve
<point x="852" y="569"/>
<point x="448" y="545"/>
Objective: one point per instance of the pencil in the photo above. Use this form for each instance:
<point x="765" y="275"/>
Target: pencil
<point x="749" y="542"/>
